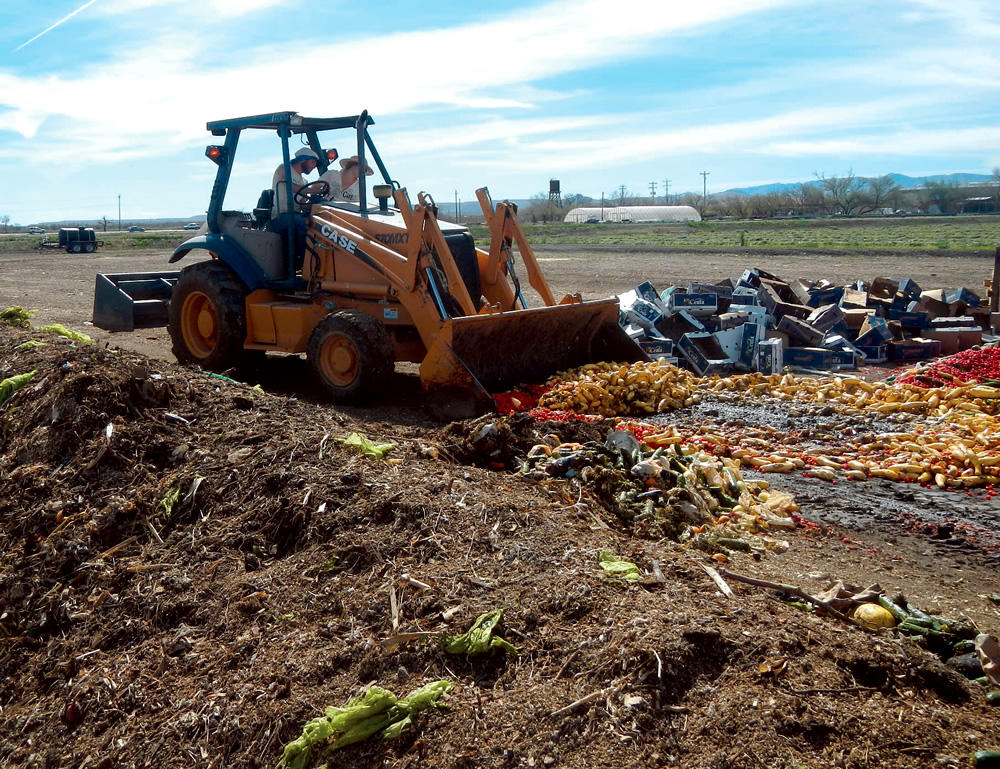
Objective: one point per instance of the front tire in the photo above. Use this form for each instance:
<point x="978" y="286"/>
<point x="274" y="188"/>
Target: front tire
<point x="75" y="248"/>
<point x="208" y="325"/>
<point x="352" y="355"/>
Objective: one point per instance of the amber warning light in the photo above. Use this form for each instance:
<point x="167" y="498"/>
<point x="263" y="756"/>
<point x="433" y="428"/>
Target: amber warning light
<point x="215" y="153"/>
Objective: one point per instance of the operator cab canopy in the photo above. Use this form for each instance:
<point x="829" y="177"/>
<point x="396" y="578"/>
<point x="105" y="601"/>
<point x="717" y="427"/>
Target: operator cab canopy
<point x="308" y="129"/>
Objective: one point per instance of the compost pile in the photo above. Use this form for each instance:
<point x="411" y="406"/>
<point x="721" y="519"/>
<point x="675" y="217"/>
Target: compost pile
<point x="192" y="570"/>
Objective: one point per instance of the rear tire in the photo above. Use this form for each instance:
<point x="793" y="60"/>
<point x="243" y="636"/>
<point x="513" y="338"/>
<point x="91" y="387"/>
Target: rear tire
<point x="352" y="355"/>
<point x="89" y="248"/>
<point x="208" y="324"/>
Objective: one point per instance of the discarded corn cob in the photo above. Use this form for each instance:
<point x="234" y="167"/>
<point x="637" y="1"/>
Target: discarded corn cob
<point x="612" y="389"/>
<point x="951" y="440"/>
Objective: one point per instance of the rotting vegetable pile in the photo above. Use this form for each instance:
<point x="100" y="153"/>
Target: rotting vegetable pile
<point x="191" y="570"/>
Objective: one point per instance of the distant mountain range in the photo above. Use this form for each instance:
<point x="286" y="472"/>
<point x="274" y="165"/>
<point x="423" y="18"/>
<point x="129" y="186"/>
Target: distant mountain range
<point x="904" y="181"/>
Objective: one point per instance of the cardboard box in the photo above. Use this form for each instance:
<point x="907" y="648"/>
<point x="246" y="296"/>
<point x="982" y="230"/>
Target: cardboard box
<point x="744" y="295"/>
<point x="739" y="343"/>
<point x="933" y="303"/>
<point x="679" y="324"/>
<point x="696" y="304"/>
<point x="969" y="337"/>
<point x="820" y="296"/>
<point x="768" y="358"/>
<point x="854" y="318"/>
<point x="914" y="349"/>
<point x="647" y="292"/>
<point x="826" y="317"/>
<point x="910" y="319"/>
<point x="754" y="312"/>
<point x="841" y="359"/>
<point x="800" y="330"/>
<point x="854" y="299"/>
<point x="883" y="288"/>
<point x="723" y="292"/>
<point x="948" y="337"/>
<point x="909" y="288"/>
<point x="964" y="295"/>
<point x="644" y="313"/>
<point x="875" y="330"/>
<point x="800" y="311"/>
<point x="875" y="353"/>
<point x="808" y="357"/>
<point x="656" y="348"/>
<point x="704" y="354"/>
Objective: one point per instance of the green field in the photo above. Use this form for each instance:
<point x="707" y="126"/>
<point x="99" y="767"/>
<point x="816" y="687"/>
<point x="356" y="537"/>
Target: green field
<point x="946" y="232"/>
<point x="113" y="241"/>
<point x="916" y="233"/>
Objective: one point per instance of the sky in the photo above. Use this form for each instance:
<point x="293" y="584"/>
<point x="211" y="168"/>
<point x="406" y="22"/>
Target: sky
<point x="103" y="103"/>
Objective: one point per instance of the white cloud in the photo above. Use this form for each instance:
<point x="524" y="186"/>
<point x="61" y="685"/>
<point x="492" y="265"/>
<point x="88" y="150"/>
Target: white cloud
<point x="204" y="9"/>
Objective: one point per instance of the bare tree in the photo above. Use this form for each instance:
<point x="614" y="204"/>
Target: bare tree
<point x="575" y="200"/>
<point x="845" y="193"/>
<point x="622" y="197"/>
<point x="542" y="208"/>
<point x="737" y="206"/>
<point x="880" y="191"/>
<point x="946" y="196"/>
<point x="104" y="222"/>
<point x="768" y="206"/>
<point x="5" y="220"/>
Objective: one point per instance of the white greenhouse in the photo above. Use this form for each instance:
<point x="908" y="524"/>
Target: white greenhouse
<point x="633" y="214"/>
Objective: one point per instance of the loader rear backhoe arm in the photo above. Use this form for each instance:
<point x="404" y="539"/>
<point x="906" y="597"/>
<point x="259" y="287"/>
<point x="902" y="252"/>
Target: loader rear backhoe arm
<point x="505" y="230"/>
<point x="426" y="240"/>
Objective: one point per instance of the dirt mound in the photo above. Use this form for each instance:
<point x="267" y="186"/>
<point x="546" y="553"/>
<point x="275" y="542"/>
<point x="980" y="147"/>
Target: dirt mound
<point x="191" y="568"/>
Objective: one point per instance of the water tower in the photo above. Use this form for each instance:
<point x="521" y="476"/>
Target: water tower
<point x="554" y="194"/>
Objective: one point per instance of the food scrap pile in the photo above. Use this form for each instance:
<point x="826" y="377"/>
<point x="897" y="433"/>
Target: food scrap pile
<point x="944" y="435"/>
<point x="194" y="571"/>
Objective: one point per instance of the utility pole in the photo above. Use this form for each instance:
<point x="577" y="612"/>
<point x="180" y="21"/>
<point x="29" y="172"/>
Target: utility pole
<point x="602" y="206"/>
<point x="456" y="206"/>
<point x="652" y="192"/>
<point x="704" y="187"/>
<point x="666" y="191"/>
<point x="119" y="213"/>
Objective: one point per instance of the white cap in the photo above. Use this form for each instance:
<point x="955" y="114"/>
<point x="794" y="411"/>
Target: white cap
<point x="305" y="153"/>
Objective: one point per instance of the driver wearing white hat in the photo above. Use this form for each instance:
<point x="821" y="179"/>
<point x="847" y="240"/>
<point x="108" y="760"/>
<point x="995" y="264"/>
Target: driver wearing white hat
<point x="344" y="183"/>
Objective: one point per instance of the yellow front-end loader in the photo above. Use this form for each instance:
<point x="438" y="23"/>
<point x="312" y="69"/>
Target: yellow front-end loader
<point x="369" y="286"/>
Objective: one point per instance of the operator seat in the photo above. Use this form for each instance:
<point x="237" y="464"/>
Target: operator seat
<point x="262" y="213"/>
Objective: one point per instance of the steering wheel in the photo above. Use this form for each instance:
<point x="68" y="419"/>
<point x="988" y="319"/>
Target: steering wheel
<point x="303" y="195"/>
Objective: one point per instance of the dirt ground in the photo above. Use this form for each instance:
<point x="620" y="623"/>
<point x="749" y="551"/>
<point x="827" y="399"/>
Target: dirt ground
<point x="136" y="631"/>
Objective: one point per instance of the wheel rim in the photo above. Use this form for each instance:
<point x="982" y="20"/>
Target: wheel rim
<point x="199" y="324"/>
<point x="339" y="361"/>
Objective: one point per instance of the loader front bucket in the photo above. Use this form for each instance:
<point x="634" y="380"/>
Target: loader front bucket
<point x="480" y="354"/>
<point x="127" y="301"/>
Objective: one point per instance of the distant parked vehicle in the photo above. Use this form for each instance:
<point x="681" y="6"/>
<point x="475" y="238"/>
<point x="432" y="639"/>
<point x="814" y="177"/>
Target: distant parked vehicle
<point x="593" y="220"/>
<point x="192" y="226"/>
<point x="36" y="230"/>
<point x="134" y="228"/>
<point x="75" y="240"/>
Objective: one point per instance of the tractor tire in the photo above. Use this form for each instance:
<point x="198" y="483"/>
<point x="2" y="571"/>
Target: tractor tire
<point x="208" y="323"/>
<point x="352" y="355"/>
<point x="75" y="248"/>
